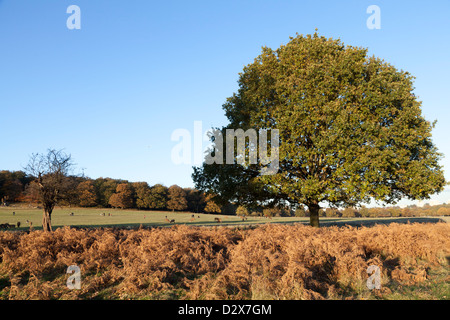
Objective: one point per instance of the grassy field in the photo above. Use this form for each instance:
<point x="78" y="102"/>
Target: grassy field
<point x="84" y="217"/>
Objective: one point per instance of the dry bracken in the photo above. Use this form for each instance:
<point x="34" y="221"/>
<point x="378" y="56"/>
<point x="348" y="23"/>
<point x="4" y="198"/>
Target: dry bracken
<point x="266" y="262"/>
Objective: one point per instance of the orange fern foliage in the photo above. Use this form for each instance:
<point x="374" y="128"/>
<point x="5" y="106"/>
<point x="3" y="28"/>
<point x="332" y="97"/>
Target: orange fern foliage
<point x="181" y="262"/>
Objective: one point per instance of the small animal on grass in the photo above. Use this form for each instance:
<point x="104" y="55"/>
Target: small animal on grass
<point x="18" y="224"/>
<point x="167" y="220"/>
<point x="192" y="219"/>
<point x="14" y="213"/>
<point x="218" y="220"/>
<point x="172" y="221"/>
<point x="71" y="214"/>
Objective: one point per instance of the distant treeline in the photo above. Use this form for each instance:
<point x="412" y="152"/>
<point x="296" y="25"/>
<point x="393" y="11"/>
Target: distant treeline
<point x="18" y="187"/>
<point x="394" y="211"/>
<point x="109" y="193"/>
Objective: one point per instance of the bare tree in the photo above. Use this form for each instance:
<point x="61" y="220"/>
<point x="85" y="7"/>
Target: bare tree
<point x="51" y="172"/>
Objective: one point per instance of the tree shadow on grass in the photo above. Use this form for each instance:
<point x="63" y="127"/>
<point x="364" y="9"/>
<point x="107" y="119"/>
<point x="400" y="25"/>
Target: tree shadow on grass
<point x="251" y="223"/>
<point x="360" y="222"/>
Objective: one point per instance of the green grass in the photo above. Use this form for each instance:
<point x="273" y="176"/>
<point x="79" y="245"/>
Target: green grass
<point x="437" y="287"/>
<point x="134" y="218"/>
<point x="84" y="217"/>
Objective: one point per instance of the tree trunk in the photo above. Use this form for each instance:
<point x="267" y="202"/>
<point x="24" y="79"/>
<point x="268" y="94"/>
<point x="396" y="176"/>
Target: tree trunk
<point x="47" y="220"/>
<point x="314" y="215"/>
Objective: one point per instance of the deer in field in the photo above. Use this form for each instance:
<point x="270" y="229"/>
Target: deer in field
<point x="30" y="223"/>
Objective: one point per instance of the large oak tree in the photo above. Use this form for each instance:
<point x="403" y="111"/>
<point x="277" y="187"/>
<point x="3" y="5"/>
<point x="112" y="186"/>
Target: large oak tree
<point x="350" y="125"/>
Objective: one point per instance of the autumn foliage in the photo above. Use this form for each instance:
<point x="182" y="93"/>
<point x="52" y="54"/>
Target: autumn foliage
<point x="123" y="198"/>
<point x="267" y="262"/>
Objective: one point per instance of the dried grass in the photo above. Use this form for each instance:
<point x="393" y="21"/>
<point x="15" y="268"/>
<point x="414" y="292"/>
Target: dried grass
<point x="267" y="262"/>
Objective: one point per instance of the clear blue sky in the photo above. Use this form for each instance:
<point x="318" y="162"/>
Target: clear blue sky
<point x="113" y="92"/>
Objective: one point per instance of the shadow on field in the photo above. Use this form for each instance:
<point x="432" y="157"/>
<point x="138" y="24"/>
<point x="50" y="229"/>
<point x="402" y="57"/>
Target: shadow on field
<point x="328" y="222"/>
<point x="251" y="223"/>
<point x="359" y="222"/>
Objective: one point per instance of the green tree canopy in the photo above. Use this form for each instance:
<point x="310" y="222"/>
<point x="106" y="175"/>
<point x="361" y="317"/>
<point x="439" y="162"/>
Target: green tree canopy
<point x="350" y="126"/>
<point x="195" y="200"/>
<point x="158" y="197"/>
<point x="142" y="193"/>
<point x="177" y="199"/>
<point x="105" y="188"/>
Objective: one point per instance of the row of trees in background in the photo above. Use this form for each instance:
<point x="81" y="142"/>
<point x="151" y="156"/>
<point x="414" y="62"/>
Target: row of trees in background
<point x="350" y="212"/>
<point x="106" y="192"/>
<point x="12" y="186"/>
<point x="17" y="186"/>
<point x="392" y="211"/>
